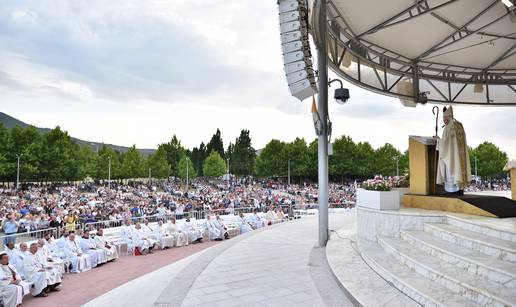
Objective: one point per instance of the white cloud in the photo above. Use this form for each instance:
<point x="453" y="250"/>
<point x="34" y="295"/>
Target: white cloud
<point x="137" y="71"/>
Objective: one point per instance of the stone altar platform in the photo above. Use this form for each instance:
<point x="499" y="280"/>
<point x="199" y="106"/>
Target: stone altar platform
<point x="413" y="256"/>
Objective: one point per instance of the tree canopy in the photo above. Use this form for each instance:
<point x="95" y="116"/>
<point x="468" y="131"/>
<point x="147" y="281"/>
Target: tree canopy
<point x="214" y="165"/>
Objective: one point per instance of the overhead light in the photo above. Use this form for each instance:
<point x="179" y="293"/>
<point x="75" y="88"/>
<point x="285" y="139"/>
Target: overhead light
<point x="508" y="3"/>
<point x="297" y="58"/>
<point x="406" y="88"/>
<point x="478" y="88"/>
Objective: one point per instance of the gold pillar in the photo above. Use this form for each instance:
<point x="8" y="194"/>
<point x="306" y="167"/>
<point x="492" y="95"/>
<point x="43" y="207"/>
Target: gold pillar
<point x="513" y="182"/>
<point x="422" y="165"/>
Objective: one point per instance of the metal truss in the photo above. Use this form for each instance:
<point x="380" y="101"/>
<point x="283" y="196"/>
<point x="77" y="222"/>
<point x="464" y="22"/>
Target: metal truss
<point x="445" y="82"/>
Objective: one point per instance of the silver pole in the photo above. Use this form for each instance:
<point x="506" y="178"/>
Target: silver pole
<point x="18" y="173"/>
<point x="109" y="172"/>
<point x="476" y="169"/>
<point x="187" y="174"/>
<point x="288" y="171"/>
<point x="397" y="167"/>
<point x="323" y="138"/>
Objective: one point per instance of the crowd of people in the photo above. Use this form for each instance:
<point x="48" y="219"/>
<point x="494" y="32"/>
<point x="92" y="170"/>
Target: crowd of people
<point x="489" y="185"/>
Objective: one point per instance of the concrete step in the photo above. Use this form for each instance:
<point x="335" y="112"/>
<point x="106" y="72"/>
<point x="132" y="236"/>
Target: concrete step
<point x="450" y="276"/>
<point x="421" y="289"/>
<point x="504" y="229"/>
<point x="488" y="267"/>
<point x="498" y="248"/>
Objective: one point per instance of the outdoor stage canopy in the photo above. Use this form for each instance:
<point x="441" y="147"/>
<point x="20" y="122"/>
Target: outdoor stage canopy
<point x="459" y="52"/>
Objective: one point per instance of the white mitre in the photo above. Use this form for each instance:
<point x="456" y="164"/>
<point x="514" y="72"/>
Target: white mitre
<point x="510" y="165"/>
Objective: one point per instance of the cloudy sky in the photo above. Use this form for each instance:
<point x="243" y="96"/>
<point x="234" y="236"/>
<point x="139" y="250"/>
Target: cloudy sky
<point x="137" y="72"/>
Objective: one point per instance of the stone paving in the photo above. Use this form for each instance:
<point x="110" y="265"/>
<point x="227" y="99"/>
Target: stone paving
<point x="276" y="266"/>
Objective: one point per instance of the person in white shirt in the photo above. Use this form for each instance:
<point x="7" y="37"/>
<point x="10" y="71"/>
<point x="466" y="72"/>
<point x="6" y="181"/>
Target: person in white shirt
<point x="243" y="224"/>
<point x="254" y="220"/>
<point x="10" y="279"/>
<point x="148" y="243"/>
<point x="219" y="224"/>
<point x="46" y="257"/>
<point x="173" y="230"/>
<point x="35" y="273"/>
<point x="102" y="243"/>
<point x="194" y="235"/>
<point x="9" y="296"/>
<point x="271" y="216"/>
<point x="80" y="262"/>
<point x="211" y="230"/>
<point x="15" y="256"/>
<point x="87" y="244"/>
<point x="164" y="239"/>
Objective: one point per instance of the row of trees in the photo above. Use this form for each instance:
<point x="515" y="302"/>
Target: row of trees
<point x="54" y="156"/>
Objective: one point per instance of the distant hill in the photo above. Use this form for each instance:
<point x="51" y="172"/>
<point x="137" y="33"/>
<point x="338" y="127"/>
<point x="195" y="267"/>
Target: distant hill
<point x="10" y="122"/>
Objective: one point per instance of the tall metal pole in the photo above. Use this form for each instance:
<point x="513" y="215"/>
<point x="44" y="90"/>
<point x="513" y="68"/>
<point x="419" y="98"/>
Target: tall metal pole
<point x="397" y="166"/>
<point x="322" y="67"/>
<point x="187" y="174"/>
<point x="18" y="173"/>
<point x="109" y="172"/>
<point x="476" y="169"/>
<point x="288" y="171"/>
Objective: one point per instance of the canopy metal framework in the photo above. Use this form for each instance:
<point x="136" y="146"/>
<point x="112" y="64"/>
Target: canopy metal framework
<point x="440" y="51"/>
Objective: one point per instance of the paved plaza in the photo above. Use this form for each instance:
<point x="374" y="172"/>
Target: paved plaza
<point x="273" y="266"/>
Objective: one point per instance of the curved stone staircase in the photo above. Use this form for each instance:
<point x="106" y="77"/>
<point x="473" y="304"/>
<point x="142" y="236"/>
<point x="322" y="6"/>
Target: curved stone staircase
<point x="457" y="263"/>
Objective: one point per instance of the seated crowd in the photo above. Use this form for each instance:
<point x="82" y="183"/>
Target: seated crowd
<point x="37" y="268"/>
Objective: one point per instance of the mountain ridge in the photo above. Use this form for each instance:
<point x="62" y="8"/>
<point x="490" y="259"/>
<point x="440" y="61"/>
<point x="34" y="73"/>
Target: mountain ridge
<point x="10" y="122"/>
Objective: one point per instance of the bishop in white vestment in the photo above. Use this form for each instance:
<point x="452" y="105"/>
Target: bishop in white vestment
<point x="88" y="246"/>
<point x="210" y="229"/>
<point x="11" y="279"/>
<point x="34" y="272"/>
<point x="243" y="224"/>
<point x="453" y="168"/>
<point x="194" y="235"/>
<point x="80" y="262"/>
<point x="173" y="230"/>
<point x="9" y="296"/>
<point x="101" y="242"/>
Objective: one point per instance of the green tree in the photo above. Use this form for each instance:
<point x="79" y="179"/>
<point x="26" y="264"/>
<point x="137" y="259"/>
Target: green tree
<point x="216" y="144"/>
<point x="87" y="162"/>
<point x="364" y="160"/>
<point x="58" y="157"/>
<point x="183" y="167"/>
<point x="175" y="151"/>
<point x="4" y="147"/>
<point x="271" y="162"/>
<point x="242" y="155"/>
<point x="158" y="164"/>
<point x="298" y="154"/>
<point x="214" y="165"/>
<point x="342" y="162"/>
<point x="385" y="160"/>
<point x="133" y="164"/>
<point x="490" y="160"/>
<point x="102" y="170"/>
<point x="313" y="159"/>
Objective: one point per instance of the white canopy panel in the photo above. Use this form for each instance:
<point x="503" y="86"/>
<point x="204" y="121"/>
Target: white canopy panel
<point x="440" y="51"/>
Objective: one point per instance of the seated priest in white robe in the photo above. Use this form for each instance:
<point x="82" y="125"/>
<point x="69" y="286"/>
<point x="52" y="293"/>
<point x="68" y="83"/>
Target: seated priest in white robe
<point x="218" y="223"/>
<point x="15" y="256"/>
<point x="209" y="229"/>
<point x="194" y="234"/>
<point x="173" y="230"/>
<point x="80" y="262"/>
<point x="88" y="246"/>
<point x="10" y="278"/>
<point x="279" y="213"/>
<point x="102" y="243"/>
<point x="453" y="168"/>
<point x="9" y="296"/>
<point x="243" y="224"/>
<point x="54" y="273"/>
<point x="59" y="249"/>
<point x="164" y="239"/>
<point x="271" y="216"/>
<point x="133" y="239"/>
<point x="46" y="257"/>
<point x="254" y="220"/>
<point x="143" y="236"/>
<point x="34" y="272"/>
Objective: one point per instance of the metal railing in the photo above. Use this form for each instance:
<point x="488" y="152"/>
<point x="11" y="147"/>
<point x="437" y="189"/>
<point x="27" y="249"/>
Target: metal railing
<point x="27" y="236"/>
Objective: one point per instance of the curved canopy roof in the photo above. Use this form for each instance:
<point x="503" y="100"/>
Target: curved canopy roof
<point x="440" y="51"/>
